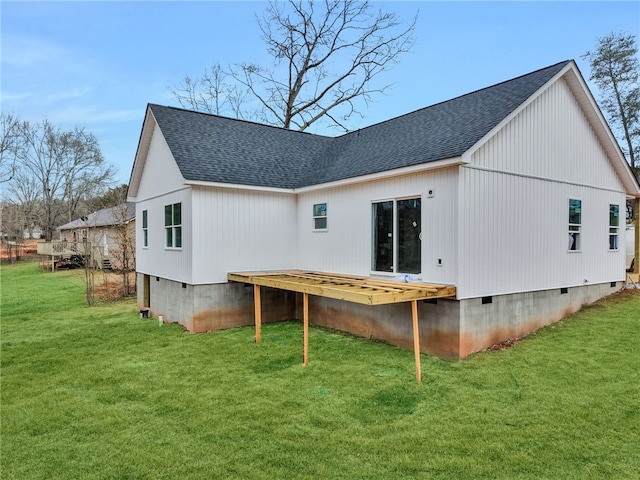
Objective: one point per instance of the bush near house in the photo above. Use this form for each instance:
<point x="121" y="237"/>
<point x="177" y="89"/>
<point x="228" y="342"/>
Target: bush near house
<point x="98" y="393"/>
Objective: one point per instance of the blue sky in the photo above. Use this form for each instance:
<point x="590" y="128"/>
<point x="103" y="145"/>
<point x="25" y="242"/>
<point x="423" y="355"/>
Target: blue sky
<point x="98" y="64"/>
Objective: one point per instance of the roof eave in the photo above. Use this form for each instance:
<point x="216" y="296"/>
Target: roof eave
<point x="422" y="167"/>
<point x="148" y="126"/>
<point x="432" y="165"/>
<point x="602" y="130"/>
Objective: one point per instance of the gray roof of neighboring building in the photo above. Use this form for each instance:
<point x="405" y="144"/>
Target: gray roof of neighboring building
<point x="218" y="149"/>
<point x="105" y="217"/>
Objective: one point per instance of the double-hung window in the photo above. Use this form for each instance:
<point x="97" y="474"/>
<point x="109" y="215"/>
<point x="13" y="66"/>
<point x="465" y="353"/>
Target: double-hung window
<point x="575" y="224"/>
<point x="173" y="225"/>
<point x="320" y="216"/>
<point x="145" y="229"/>
<point x="614" y="226"/>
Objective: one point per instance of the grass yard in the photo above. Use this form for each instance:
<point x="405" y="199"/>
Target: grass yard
<point x="99" y="393"/>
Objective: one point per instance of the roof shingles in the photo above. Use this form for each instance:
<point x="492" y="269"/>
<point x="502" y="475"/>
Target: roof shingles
<point x="222" y="150"/>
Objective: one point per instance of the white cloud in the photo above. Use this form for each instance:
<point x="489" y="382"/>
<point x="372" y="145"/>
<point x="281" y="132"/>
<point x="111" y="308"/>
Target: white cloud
<point x="23" y="52"/>
<point x="91" y="115"/>
<point x="65" y="95"/>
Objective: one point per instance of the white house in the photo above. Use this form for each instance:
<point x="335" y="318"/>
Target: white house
<point x="514" y="195"/>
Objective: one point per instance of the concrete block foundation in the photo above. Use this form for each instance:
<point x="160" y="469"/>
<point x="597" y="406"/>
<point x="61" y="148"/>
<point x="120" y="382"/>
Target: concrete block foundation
<point x="449" y="328"/>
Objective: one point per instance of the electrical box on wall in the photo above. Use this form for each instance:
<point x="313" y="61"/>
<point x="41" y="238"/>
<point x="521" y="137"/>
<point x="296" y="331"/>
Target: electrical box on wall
<point x="430" y="193"/>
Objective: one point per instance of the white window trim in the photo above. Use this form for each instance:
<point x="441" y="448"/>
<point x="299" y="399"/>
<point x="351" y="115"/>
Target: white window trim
<point x="616" y="227"/>
<point x="578" y="225"/>
<point x="395" y="200"/>
<point x="316" y="217"/>
<point x="145" y="230"/>
<point x="173" y="229"/>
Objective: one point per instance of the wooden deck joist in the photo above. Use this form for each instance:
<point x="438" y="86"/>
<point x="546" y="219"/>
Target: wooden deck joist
<point x="364" y="290"/>
<point x="357" y="289"/>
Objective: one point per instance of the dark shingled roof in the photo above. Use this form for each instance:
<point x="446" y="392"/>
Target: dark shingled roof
<point x="104" y="218"/>
<point x="218" y="149"/>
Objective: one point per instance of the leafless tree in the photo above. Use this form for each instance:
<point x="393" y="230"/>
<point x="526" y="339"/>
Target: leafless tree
<point x="67" y="166"/>
<point x="213" y="92"/>
<point x="124" y="236"/>
<point x="24" y="192"/>
<point x="11" y="142"/>
<point x="12" y="227"/>
<point x="326" y="55"/>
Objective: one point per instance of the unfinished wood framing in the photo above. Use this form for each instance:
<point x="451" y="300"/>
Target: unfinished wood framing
<point x="362" y="290"/>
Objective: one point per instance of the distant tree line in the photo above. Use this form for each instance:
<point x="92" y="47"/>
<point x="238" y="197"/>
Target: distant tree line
<point x="50" y="176"/>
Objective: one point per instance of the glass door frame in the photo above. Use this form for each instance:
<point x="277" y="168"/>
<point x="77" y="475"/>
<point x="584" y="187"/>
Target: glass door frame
<point x="395" y="235"/>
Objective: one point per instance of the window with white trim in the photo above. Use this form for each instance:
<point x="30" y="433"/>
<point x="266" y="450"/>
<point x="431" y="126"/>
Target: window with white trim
<point x="614" y="226"/>
<point x="575" y="224"/>
<point x="173" y="225"/>
<point x="145" y="231"/>
<point x="320" y="216"/>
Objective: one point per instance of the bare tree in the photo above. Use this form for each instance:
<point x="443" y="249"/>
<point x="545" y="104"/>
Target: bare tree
<point x="67" y="166"/>
<point x="11" y="142"/>
<point x="616" y="71"/>
<point x="124" y="236"/>
<point x="214" y="92"/>
<point x="86" y="173"/>
<point x="25" y="193"/>
<point x="326" y="55"/>
<point x="12" y="227"/>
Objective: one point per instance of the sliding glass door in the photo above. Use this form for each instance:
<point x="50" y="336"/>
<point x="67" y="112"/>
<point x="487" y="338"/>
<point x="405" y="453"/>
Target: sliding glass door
<point x="396" y="238"/>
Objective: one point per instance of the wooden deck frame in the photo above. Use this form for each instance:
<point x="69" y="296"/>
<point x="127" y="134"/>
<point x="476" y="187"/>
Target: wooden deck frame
<point x="357" y="289"/>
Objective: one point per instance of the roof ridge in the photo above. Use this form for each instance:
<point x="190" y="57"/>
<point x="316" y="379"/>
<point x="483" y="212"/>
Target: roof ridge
<point x="565" y="62"/>
<point x="241" y="120"/>
<point x="209" y="147"/>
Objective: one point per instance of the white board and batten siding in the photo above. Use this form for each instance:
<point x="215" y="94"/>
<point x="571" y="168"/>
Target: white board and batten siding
<point x="515" y="199"/>
<point x="346" y="245"/>
<point x="238" y="230"/>
<point x="162" y="184"/>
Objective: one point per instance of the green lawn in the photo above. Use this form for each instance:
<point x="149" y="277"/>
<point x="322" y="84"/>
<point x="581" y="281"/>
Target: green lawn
<point x="96" y="393"/>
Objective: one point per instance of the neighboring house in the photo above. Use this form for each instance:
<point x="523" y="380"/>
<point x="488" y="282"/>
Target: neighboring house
<point x="105" y="230"/>
<point x="514" y="194"/>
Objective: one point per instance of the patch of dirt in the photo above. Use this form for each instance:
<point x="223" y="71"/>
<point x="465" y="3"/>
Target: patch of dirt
<point x="507" y="343"/>
<point x="108" y="291"/>
<point x="28" y="248"/>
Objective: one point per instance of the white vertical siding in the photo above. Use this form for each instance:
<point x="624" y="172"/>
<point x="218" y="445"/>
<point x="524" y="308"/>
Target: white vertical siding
<point x="239" y="230"/>
<point x="514" y="235"/>
<point x="161" y="173"/>
<point x="346" y="246"/>
<point x="157" y="260"/>
<point x="552" y="139"/>
<point x="514" y="203"/>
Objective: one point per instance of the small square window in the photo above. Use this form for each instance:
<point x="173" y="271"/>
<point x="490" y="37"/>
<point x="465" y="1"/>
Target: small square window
<point x="320" y="216"/>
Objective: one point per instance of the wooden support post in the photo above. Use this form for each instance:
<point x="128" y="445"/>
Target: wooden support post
<point x="416" y="339"/>
<point x="305" y="334"/>
<point x="258" y="311"/>
<point x="636" y="209"/>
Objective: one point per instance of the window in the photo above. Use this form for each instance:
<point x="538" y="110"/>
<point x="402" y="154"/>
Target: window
<point x="614" y="225"/>
<point x="320" y="216"/>
<point x="145" y="231"/>
<point x="575" y="223"/>
<point x="399" y="220"/>
<point x="173" y="225"/>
